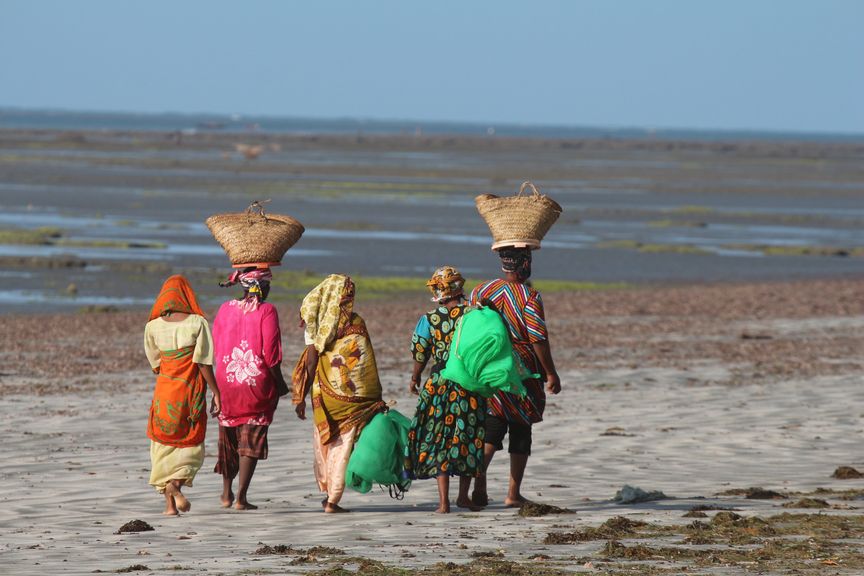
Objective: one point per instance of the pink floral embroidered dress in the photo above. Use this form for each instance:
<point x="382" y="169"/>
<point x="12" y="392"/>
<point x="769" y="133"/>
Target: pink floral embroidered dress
<point x="246" y="345"/>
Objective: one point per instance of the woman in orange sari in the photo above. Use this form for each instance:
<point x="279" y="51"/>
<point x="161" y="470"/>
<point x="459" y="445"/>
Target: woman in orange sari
<point x="179" y="346"/>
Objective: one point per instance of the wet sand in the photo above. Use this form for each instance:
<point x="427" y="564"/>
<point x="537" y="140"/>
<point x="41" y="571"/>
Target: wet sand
<point x="700" y="392"/>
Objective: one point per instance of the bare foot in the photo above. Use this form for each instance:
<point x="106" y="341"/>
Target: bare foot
<point x="468" y="504"/>
<point x="443" y="509"/>
<point x="480" y="498"/>
<point x="180" y="500"/>
<point x="331" y="508"/>
<point x="245" y="506"/>
<point x="324" y="503"/>
<point x="170" y="506"/>
<point x="516" y="502"/>
<point x="227" y="501"/>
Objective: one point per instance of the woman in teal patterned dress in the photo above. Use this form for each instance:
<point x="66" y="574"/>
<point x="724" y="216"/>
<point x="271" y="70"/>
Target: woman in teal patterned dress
<point x="447" y="433"/>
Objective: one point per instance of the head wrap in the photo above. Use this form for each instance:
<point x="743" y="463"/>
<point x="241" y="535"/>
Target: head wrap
<point x="446" y="283"/>
<point x="253" y="282"/>
<point x="176" y="295"/>
<point x="516" y="260"/>
<point x="327" y="309"/>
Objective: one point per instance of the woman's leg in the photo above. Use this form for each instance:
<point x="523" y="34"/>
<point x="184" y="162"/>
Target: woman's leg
<point x="170" y="506"/>
<point x="443" y="494"/>
<point x="464" y="500"/>
<point x="227" y="463"/>
<point x="337" y="456"/>
<point x="520" y="449"/>
<point x="247" y="469"/>
<point x="172" y="490"/>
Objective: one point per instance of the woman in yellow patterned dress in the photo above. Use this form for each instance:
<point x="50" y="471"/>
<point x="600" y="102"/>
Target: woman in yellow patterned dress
<point x="338" y="366"/>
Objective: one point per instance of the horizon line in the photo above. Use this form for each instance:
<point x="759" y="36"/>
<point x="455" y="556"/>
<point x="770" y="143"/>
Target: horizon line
<point x="480" y="124"/>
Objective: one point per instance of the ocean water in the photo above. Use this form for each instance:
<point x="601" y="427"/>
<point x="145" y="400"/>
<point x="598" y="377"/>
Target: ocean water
<point x="170" y="122"/>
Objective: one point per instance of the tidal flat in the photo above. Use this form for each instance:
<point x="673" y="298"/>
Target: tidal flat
<point x="636" y="212"/>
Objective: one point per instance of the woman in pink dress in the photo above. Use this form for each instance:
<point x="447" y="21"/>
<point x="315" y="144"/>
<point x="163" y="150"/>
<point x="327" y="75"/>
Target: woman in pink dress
<point x="247" y="359"/>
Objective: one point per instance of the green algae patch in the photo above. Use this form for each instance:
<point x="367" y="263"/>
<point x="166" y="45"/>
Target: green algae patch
<point x="667" y="223"/>
<point x="613" y="529"/>
<point x="692" y="209"/>
<point x="807" y="503"/>
<point x="36" y="236"/>
<point x="652" y="248"/>
<point x="536" y="509"/>
<point x="293" y="284"/>
<point x="487" y="566"/>
<point x="50" y="236"/>
<point x="807" y="250"/>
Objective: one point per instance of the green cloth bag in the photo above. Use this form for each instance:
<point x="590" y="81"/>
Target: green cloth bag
<point x="482" y="359"/>
<point x="379" y="454"/>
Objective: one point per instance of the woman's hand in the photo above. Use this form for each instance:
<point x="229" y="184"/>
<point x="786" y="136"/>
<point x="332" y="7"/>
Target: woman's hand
<point x="300" y="410"/>
<point x="412" y="387"/>
<point x="553" y="383"/>
<point x="215" y="405"/>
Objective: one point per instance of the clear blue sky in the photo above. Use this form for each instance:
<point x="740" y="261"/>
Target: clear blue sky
<point x="788" y="65"/>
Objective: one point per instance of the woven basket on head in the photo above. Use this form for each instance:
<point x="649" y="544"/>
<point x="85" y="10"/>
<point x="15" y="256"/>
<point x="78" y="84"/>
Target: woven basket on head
<point x="518" y="220"/>
<point x="254" y="238"/>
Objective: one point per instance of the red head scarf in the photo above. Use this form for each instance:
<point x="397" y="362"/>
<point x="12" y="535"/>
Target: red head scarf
<point x="176" y="296"/>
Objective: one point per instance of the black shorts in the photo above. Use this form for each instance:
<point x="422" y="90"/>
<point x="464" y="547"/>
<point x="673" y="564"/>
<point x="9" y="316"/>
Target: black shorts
<point x="520" y="435"/>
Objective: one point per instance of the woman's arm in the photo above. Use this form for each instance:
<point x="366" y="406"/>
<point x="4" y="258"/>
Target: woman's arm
<point x="416" y="375"/>
<point x="210" y="378"/>
<point x="544" y="354"/>
<point x="311" y="366"/>
<point x="279" y="379"/>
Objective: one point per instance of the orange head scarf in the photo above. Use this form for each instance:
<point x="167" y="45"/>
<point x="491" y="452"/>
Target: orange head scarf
<point x="176" y="295"/>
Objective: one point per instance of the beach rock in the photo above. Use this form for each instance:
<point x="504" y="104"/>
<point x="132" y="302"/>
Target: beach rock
<point x="633" y="494"/>
<point x="846" y="473"/>
<point x="135" y="526"/>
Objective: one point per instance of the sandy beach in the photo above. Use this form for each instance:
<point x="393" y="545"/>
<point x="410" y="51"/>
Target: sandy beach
<point x="700" y="392"/>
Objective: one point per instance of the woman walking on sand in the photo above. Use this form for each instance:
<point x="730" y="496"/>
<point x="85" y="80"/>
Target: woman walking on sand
<point x="179" y="346"/>
<point x="248" y="355"/>
<point x="446" y="436"/>
<point x="338" y="366"/>
<point x="522" y="309"/>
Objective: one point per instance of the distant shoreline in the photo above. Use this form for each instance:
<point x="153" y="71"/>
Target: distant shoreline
<point x="47" y="119"/>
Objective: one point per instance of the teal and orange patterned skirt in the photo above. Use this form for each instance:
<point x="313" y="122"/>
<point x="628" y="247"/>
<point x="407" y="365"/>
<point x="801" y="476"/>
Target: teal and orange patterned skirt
<point x="447" y="433"/>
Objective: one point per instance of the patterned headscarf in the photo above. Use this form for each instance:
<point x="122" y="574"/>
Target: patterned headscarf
<point x="326" y="310"/>
<point x="446" y="283"/>
<point x="516" y="260"/>
<point x="253" y="282"/>
<point x="176" y="295"/>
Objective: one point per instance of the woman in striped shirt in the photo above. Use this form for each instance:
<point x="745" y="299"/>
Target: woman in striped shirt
<point x="522" y="310"/>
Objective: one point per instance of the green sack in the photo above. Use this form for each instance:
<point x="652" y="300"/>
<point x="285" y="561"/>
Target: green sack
<point x="379" y="454"/>
<point x="482" y="359"/>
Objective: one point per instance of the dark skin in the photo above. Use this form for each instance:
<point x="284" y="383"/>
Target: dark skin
<point x="462" y="500"/>
<point x="248" y="463"/>
<point x="518" y="462"/>
<point x="175" y="500"/>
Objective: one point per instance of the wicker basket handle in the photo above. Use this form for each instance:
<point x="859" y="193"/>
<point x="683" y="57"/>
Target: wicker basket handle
<point x="527" y="184"/>
<point x="257" y="206"/>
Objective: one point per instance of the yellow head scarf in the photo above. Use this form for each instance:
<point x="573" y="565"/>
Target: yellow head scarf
<point x="324" y="312"/>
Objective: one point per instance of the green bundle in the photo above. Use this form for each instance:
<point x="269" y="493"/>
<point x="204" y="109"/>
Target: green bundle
<point x="379" y="454"/>
<point x="482" y="359"/>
